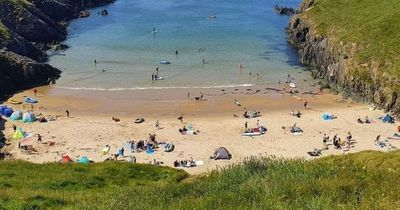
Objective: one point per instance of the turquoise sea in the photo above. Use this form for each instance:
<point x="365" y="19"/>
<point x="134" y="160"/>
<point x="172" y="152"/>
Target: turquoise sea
<point x="242" y="32"/>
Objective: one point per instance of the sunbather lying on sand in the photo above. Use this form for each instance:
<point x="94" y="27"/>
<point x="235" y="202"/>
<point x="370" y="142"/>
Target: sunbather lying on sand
<point x="184" y="163"/>
<point x="115" y="119"/>
<point x="298" y="114"/>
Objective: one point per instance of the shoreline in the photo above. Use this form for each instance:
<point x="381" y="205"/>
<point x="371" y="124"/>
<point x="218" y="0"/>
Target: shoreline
<point x="90" y="127"/>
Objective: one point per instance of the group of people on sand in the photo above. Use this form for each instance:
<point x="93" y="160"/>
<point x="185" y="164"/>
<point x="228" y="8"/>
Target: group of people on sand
<point x="337" y="142"/>
<point x="197" y="98"/>
<point x="366" y="120"/>
<point x="185" y="163"/>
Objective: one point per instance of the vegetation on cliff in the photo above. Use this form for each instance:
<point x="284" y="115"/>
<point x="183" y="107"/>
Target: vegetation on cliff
<point x="4" y="33"/>
<point x="373" y="26"/>
<point x="366" y="180"/>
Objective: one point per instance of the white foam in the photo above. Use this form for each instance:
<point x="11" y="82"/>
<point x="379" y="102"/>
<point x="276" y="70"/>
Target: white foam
<point x="153" y="88"/>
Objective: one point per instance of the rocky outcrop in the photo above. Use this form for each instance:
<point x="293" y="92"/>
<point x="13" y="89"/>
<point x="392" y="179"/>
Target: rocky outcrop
<point x="19" y="72"/>
<point x="284" y="10"/>
<point x="27" y="29"/>
<point x="333" y="62"/>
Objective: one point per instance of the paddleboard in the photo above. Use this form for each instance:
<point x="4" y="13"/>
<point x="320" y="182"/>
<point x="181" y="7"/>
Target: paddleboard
<point x="30" y="100"/>
<point x="106" y="150"/>
<point x="165" y="62"/>
<point x="15" y="102"/>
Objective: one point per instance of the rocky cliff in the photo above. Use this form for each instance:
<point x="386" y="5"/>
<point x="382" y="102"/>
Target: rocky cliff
<point x="27" y="29"/>
<point x="336" y="64"/>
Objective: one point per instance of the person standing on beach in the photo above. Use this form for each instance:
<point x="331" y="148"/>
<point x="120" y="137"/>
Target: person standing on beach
<point x="152" y="77"/>
<point x="67" y="113"/>
<point x="188" y="95"/>
<point x="201" y="96"/>
<point x="35" y="92"/>
<point x="14" y="127"/>
<point x="176" y="52"/>
<point x="325" y="139"/>
<point x="305" y="104"/>
<point x="245" y="125"/>
<point x="39" y="138"/>
<point x="157" y="124"/>
<point x="204" y="62"/>
<point x="156" y="71"/>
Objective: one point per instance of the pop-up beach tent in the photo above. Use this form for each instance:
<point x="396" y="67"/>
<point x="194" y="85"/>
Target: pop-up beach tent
<point x="28" y="117"/>
<point x="16" y="115"/>
<point x="388" y="119"/>
<point x="66" y="159"/>
<point x="19" y="134"/>
<point x="7" y="111"/>
<point x="83" y="160"/>
<point x="221" y="153"/>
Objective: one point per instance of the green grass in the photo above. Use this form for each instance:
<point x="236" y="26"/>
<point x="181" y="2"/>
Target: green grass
<point x="4" y="33"/>
<point x="374" y="25"/>
<point x="19" y="2"/>
<point x="366" y="180"/>
<point x="33" y="186"/>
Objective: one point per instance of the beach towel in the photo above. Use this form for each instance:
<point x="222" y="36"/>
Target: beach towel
<point x="199" y="162"/>
<point x="25" y="140"/>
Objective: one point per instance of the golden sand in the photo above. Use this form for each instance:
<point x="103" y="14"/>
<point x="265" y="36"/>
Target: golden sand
<point x="90" y="127"/>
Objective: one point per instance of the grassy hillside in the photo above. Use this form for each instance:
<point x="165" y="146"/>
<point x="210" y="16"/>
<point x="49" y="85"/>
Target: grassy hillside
<point x="367" y="180"/>
<point x="373" y="25"/>
<point x="33" y="186"/>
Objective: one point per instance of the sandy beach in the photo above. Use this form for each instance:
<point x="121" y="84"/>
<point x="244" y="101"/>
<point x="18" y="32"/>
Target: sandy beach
<point x="219" y="120"/>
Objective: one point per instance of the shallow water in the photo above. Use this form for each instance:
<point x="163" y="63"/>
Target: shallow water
<point x="122" y="43"/>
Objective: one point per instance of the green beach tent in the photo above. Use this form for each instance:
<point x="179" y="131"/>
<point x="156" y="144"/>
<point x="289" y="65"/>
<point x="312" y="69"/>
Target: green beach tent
<point x="19" y="134"/>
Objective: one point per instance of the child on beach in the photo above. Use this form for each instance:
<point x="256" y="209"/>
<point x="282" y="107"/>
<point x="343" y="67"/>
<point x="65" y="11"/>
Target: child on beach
<point x="157" y="124"/>
<point x="39" y="138"/>
<point x="180" y="118"/>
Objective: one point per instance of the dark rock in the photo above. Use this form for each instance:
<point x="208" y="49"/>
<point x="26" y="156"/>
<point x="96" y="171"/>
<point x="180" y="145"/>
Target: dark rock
<point x="32" y="28"/>
<point x="19" y="72"/>
<point x="284" y="10"/>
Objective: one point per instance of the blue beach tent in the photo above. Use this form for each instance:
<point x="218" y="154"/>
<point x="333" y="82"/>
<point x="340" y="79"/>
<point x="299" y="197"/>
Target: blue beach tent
<point x="388" y="119"/>
<point x="28" y="117"/>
